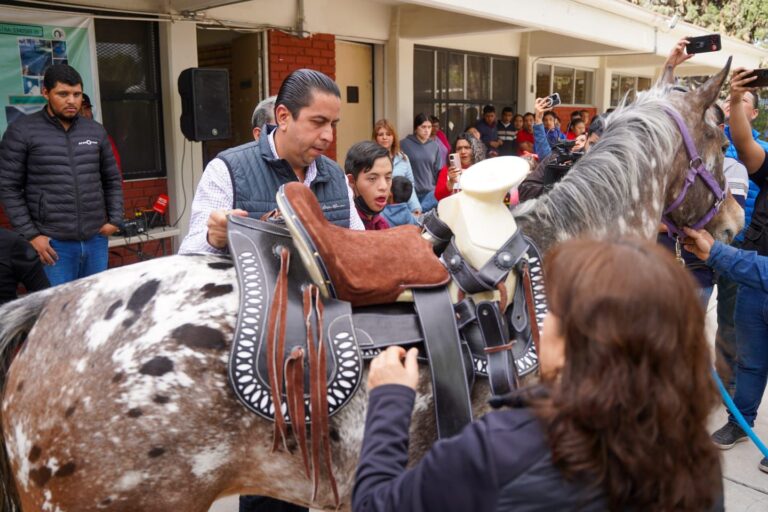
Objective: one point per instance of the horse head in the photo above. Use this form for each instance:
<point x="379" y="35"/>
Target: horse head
<point x="692" y="198"/>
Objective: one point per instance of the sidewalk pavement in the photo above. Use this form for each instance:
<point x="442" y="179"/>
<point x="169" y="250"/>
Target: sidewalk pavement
<point x="746" y="487"/>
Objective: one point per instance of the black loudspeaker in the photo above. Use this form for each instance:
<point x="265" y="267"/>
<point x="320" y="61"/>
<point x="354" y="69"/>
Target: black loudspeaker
<point x="204" y="104"/>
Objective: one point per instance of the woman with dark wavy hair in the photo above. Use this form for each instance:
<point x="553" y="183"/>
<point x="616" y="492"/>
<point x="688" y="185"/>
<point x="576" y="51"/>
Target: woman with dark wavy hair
<point x="618" y="422"/>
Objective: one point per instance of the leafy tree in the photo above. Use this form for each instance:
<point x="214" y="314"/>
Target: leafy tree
<point x="742" y="19"/>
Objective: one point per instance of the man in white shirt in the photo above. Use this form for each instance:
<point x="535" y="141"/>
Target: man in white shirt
<point x="245" y="179"/>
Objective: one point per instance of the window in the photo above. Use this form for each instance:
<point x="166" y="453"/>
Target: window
<point x="627" y="85"/>
<point x="455" y="85"/>
<point x="129" y="82"/>
<point x="575" y="86"/>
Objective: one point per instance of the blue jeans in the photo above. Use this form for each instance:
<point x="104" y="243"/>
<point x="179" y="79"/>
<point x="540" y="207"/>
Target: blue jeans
<point x="77" y="259"/>
<point x="751" y="319"/>
<point x="428" y="201"/>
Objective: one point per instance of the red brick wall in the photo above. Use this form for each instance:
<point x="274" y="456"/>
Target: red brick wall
<point x="140" y="195"/>
<point x="288" y="53"/>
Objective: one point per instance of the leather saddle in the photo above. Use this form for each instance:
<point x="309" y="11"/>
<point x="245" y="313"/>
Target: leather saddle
<point x="317" y="299"/>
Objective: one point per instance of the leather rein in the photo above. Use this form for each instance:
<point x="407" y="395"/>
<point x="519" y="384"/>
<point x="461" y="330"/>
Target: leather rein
<point x="696" y="168"/>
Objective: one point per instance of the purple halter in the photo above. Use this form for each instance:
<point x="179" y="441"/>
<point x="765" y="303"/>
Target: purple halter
<point x="696" y="168"/>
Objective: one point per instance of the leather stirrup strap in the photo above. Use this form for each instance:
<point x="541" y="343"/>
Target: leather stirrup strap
<point x="322" y="389"/>
<point x="294" y="393"/>
<point x="528" y="288"/>
<point x="450" y="390"/>
<point x="502" y="371"/>
<point x="318" y="397"/>
<point x="493" y="272"/>
<point x="276" y="347"/>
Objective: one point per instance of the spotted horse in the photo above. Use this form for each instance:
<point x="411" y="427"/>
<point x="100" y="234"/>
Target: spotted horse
<point x="116" y="392"/>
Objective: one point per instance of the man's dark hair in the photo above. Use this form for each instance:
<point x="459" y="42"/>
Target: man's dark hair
<point x="528" y="114"/>
<point x="87" y="101"/>
<point x="361" y="157"/>
<point x="506" y="109"/>
<point x="755" y="99"/>
<point x="402" y="188"/>
<point x="297" y="89"/>
<point x="63" y="73"/>
<point x="488" y="109"/>
<point x="420" y="119"/>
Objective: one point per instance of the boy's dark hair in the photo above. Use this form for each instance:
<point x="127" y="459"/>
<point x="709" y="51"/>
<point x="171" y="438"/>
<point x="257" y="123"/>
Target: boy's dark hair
<point x="507" y="109"/>
<point x="528" y="114"/>
<point x="549" y="113"/>
<point x="63" y="73"/>
<point x="434" y="119"/>
<point x="575" y="114"/>
<point x="361" y="157"/>
<point x="488" y="109"/>
<point x="582" y="112"/>
<point x="402" y="188"/>
<point x="420" y="119"/>
<point x="297" y="89"/>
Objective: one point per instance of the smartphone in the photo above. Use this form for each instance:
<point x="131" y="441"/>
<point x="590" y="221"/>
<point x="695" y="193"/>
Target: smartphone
<point x="454" y="161"/>
<point x="703" y="44"/>
<point x="761" y="80"/>
<point x="554" y="99"/>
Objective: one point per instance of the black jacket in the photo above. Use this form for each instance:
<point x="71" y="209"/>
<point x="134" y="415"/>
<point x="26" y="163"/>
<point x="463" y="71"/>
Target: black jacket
<point x="60" y="183"/>
<point x="19" y="263"/>
<point x="500" y="462"/>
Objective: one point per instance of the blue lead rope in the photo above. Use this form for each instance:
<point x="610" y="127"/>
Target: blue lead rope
<point x="737" y="414"/>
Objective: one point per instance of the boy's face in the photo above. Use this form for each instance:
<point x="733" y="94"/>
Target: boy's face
<point x="374" y="185"/>
<point x="528" y="123"/>
<point x="490" y="118"/>
<point x="518" y="123"/>
<point x="549" y="122"/>
<point x="506" y="117"/>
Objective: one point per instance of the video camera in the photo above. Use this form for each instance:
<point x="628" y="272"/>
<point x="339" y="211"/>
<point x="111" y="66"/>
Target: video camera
<point x="564" y="160"/>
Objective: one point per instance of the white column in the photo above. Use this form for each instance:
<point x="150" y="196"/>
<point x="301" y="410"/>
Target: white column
<point x="178" y="51"/>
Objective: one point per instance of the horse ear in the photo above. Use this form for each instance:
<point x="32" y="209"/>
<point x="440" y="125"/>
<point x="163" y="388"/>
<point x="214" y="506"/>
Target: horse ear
<point x="706" y="95"/>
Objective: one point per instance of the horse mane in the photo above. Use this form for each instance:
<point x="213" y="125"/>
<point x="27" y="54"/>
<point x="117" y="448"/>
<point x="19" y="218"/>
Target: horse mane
<point x="603" y="191"/>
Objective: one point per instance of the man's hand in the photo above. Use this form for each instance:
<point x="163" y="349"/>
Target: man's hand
<point x="108" y="229"/>
<point x="677" y="55"/>
<point x="388" y="368"/>
<point x="699" y="242"/>
<point x="217" y="226"/>
<point x="42" y="245"/>
<point x="739" y="86"/>
<point x="541" y="106"/>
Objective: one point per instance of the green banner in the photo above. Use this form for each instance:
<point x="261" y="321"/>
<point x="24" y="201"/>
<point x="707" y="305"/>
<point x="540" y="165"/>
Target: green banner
<point x="15" y="29"/>
<point x="30" y="42"/>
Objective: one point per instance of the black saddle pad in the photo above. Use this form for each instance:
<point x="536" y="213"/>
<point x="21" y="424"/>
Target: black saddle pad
<point x="255" y="248"/>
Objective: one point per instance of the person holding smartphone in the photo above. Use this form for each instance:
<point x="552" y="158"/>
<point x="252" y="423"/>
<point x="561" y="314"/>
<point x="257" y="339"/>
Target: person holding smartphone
<point x="467" y="152"/>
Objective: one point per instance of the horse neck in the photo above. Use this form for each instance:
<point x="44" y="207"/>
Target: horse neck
<point x="616" y="189"/>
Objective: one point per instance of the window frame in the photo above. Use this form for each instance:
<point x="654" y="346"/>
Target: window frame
<point x="619" y="76"/>
<point x="589" y="90"/>
<point x="155" y="98"/>
<point x="442" y="101"/>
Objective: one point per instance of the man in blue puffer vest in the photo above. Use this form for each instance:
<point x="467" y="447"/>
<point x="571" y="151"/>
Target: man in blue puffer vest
<point x="244" y="180"/>
<point x="727" y="288"/>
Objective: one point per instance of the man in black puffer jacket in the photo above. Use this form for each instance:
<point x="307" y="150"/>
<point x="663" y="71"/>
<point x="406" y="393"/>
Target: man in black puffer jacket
<point x="59" y="182"/>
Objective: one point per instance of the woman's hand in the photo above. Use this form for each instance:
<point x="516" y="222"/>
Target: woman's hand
<point x="453" y="176"/>
<point x="389" y="368"/>
<point x="541" y="106"/>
